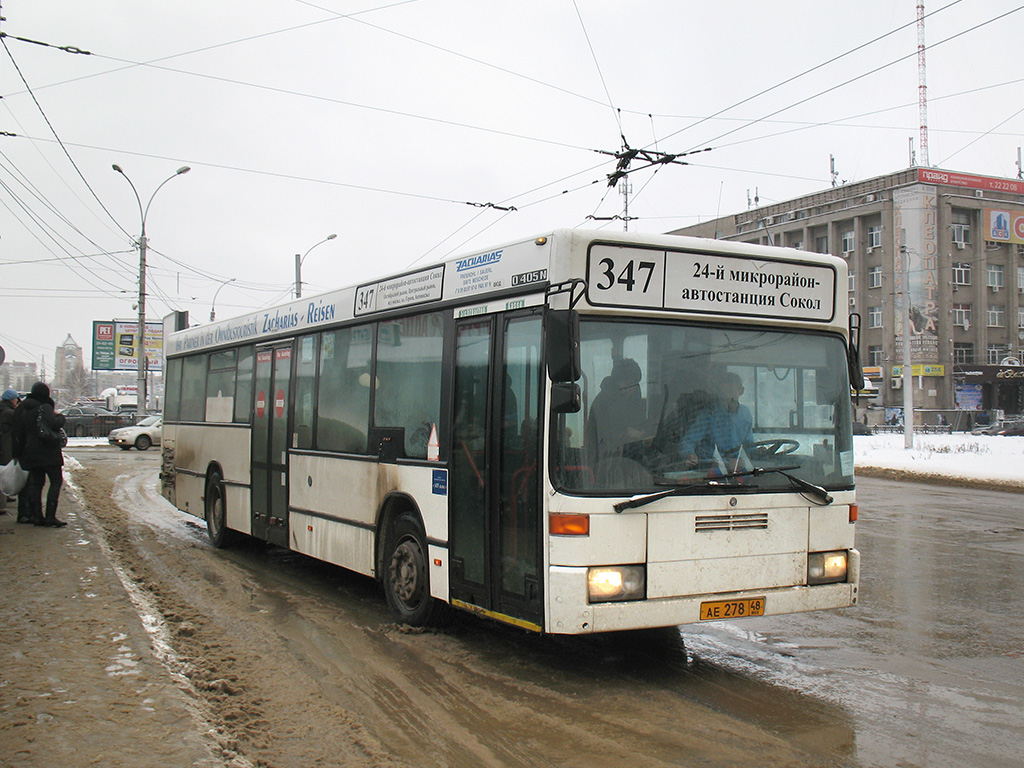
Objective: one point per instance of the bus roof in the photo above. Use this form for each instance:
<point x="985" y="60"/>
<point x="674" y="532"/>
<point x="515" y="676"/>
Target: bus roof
<point x="526" y="266"/>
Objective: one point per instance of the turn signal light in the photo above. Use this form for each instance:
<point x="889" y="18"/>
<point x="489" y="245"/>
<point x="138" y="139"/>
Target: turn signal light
<point x="569" y="525"/>
<point x="853" y="513"/>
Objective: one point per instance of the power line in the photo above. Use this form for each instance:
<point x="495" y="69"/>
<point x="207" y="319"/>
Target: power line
<point x="597" y="65"/>
<point x="865" y="74"/>
<point x="55" y="135"/>
<point x="807" y="72"/>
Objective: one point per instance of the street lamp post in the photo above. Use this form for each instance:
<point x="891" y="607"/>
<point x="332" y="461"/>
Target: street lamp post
<point x="298" y="266"/>
<point x="143" y="212"/>
<point x="213" y="304"/>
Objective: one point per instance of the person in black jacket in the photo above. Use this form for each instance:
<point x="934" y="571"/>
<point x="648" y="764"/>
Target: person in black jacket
<point x="42" y="459"/>
<point x="8" y="402"/>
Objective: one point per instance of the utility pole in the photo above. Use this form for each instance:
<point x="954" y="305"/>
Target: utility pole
<point x="142" y="360"/>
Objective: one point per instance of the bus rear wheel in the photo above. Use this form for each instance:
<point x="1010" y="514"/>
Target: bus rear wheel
<point x="216" y="512"/>
<point x="407" y="577"/>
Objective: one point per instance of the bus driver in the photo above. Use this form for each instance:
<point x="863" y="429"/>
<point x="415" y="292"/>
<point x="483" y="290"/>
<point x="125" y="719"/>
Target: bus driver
<point x="726" y="425"/>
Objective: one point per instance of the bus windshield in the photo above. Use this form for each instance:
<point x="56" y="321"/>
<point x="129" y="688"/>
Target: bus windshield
<point x="673" y="404"/>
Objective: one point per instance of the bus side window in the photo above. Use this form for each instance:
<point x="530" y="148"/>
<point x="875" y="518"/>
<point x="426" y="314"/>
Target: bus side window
<point x="409" y="374"/>
<point x="220" y="387"/>
<point x="243" y="386"/>
<point x="343" y="404"/>
<point x="172" y="390"/>
<point x="305" y="384"/>
<point x="193" y="389"/>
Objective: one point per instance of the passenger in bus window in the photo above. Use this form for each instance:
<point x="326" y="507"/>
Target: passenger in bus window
<point x="617" y="413"/>
<point x="726" y="425"/>
<point x="510" y="421"/>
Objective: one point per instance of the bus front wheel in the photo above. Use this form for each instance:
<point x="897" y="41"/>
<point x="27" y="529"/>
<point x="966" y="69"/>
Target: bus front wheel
<point x="216" y="512"/>
<point x="407" y="577"/>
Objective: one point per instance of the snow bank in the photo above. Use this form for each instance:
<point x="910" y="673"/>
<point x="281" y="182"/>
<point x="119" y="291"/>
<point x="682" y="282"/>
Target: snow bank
<point x="959" y="456"/>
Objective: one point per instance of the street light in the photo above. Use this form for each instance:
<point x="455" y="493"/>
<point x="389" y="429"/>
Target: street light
<point x="213" y="304"/>
<point x="298" y="266"/>
<point x="143" y="212"/>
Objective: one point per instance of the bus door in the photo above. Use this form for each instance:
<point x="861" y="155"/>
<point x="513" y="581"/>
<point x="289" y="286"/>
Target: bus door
<point x="270" y="444"/>
<point x="495" y="504"/>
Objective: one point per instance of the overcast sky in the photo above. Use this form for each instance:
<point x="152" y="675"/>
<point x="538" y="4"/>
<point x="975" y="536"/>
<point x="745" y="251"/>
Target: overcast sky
<point x="405" y="127"/>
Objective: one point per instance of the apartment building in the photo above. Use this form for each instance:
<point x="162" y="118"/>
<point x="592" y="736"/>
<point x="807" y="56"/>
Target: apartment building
<point x="954" y="241"/>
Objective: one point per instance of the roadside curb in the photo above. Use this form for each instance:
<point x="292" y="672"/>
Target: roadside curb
<point x="888" y="473"/>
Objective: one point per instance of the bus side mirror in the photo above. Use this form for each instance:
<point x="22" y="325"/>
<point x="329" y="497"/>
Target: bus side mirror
<point x="853" y="354"/>
<point x="565" y="397"/>
<point x="562" y="349"/>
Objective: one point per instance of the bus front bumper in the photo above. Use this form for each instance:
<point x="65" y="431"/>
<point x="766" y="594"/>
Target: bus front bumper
<point x="571" y="614"/>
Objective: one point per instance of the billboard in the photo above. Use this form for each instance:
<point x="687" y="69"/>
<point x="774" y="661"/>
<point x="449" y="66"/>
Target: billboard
<point x="1004" y="226"/>
<point x="915" y="240"/>
<point x="115" y="345"/>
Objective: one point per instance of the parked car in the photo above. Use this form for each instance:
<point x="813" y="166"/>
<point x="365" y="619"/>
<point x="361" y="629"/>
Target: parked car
<point x="859" y="428"/>
<point x="142" y="435"/>
<point x="995" y="429"/>
<point x="91" y="420"/>
<point x="1012" y="429"/>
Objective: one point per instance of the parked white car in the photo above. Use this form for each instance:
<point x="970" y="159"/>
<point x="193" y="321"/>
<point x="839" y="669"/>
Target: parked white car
<point x="142" y="435"/>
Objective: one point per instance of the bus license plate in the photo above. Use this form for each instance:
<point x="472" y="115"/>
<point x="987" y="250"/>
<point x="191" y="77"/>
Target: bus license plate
<point x="732" y="609"/>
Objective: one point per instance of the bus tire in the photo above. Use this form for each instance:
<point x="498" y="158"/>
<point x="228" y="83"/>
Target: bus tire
<point x="215" y="504"/>
<point x="407" y="575"/>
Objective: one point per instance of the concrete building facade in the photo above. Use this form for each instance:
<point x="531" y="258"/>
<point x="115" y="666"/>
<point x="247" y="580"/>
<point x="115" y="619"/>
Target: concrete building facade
<point x="955" y="241"/>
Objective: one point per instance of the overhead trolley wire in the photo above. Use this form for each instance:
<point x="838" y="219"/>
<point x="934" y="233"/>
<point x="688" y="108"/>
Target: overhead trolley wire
<point x="858" y="77"/>
<point x="53" y="130"/>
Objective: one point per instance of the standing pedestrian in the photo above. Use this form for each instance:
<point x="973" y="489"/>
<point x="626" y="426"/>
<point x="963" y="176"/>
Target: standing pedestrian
<point x="43" y="460"/>
<point x="8" y="402"/>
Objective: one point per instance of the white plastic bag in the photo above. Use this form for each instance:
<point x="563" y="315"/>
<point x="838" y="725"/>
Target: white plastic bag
<point x="12" y="478"/>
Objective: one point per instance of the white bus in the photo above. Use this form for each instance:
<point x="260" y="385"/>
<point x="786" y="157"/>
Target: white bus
<point x="581" y="432"/>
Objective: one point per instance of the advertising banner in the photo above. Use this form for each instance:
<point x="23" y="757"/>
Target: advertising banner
<point x="115" y="345"/>
<point x="915" y="240"/>
<point x="1004" y="226"/>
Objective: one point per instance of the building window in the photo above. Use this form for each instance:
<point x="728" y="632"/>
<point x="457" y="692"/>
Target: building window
<point x="996" y="315"/>
<point x="961" y="228"/>
<point x="875" y="277"/>
<point x="848" y="243"/>
<point x="996" y="352"/>
<point x="962" y="315"/>
<point x="821" y="244"/>
<point x="875" y="317"/>
<point x="875" y="236"/>
<point x="995" y="276"/>
<point x="963" y="353"/>
<point x="961" y="273"/>
<point x="875" y="354"/>
<point x="1020" y="317"/>
<point x="851" y="280"/>
<point x="1020" y="279"/>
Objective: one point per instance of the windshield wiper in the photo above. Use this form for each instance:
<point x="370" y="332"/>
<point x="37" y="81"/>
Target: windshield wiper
<point x="681" y="490"/>
<point x="799" y="482"/>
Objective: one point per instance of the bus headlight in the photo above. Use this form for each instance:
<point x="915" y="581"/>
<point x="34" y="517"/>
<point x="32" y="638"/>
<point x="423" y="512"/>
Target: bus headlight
<point x="616" y="582"/>
<point x="826" y="567"/>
